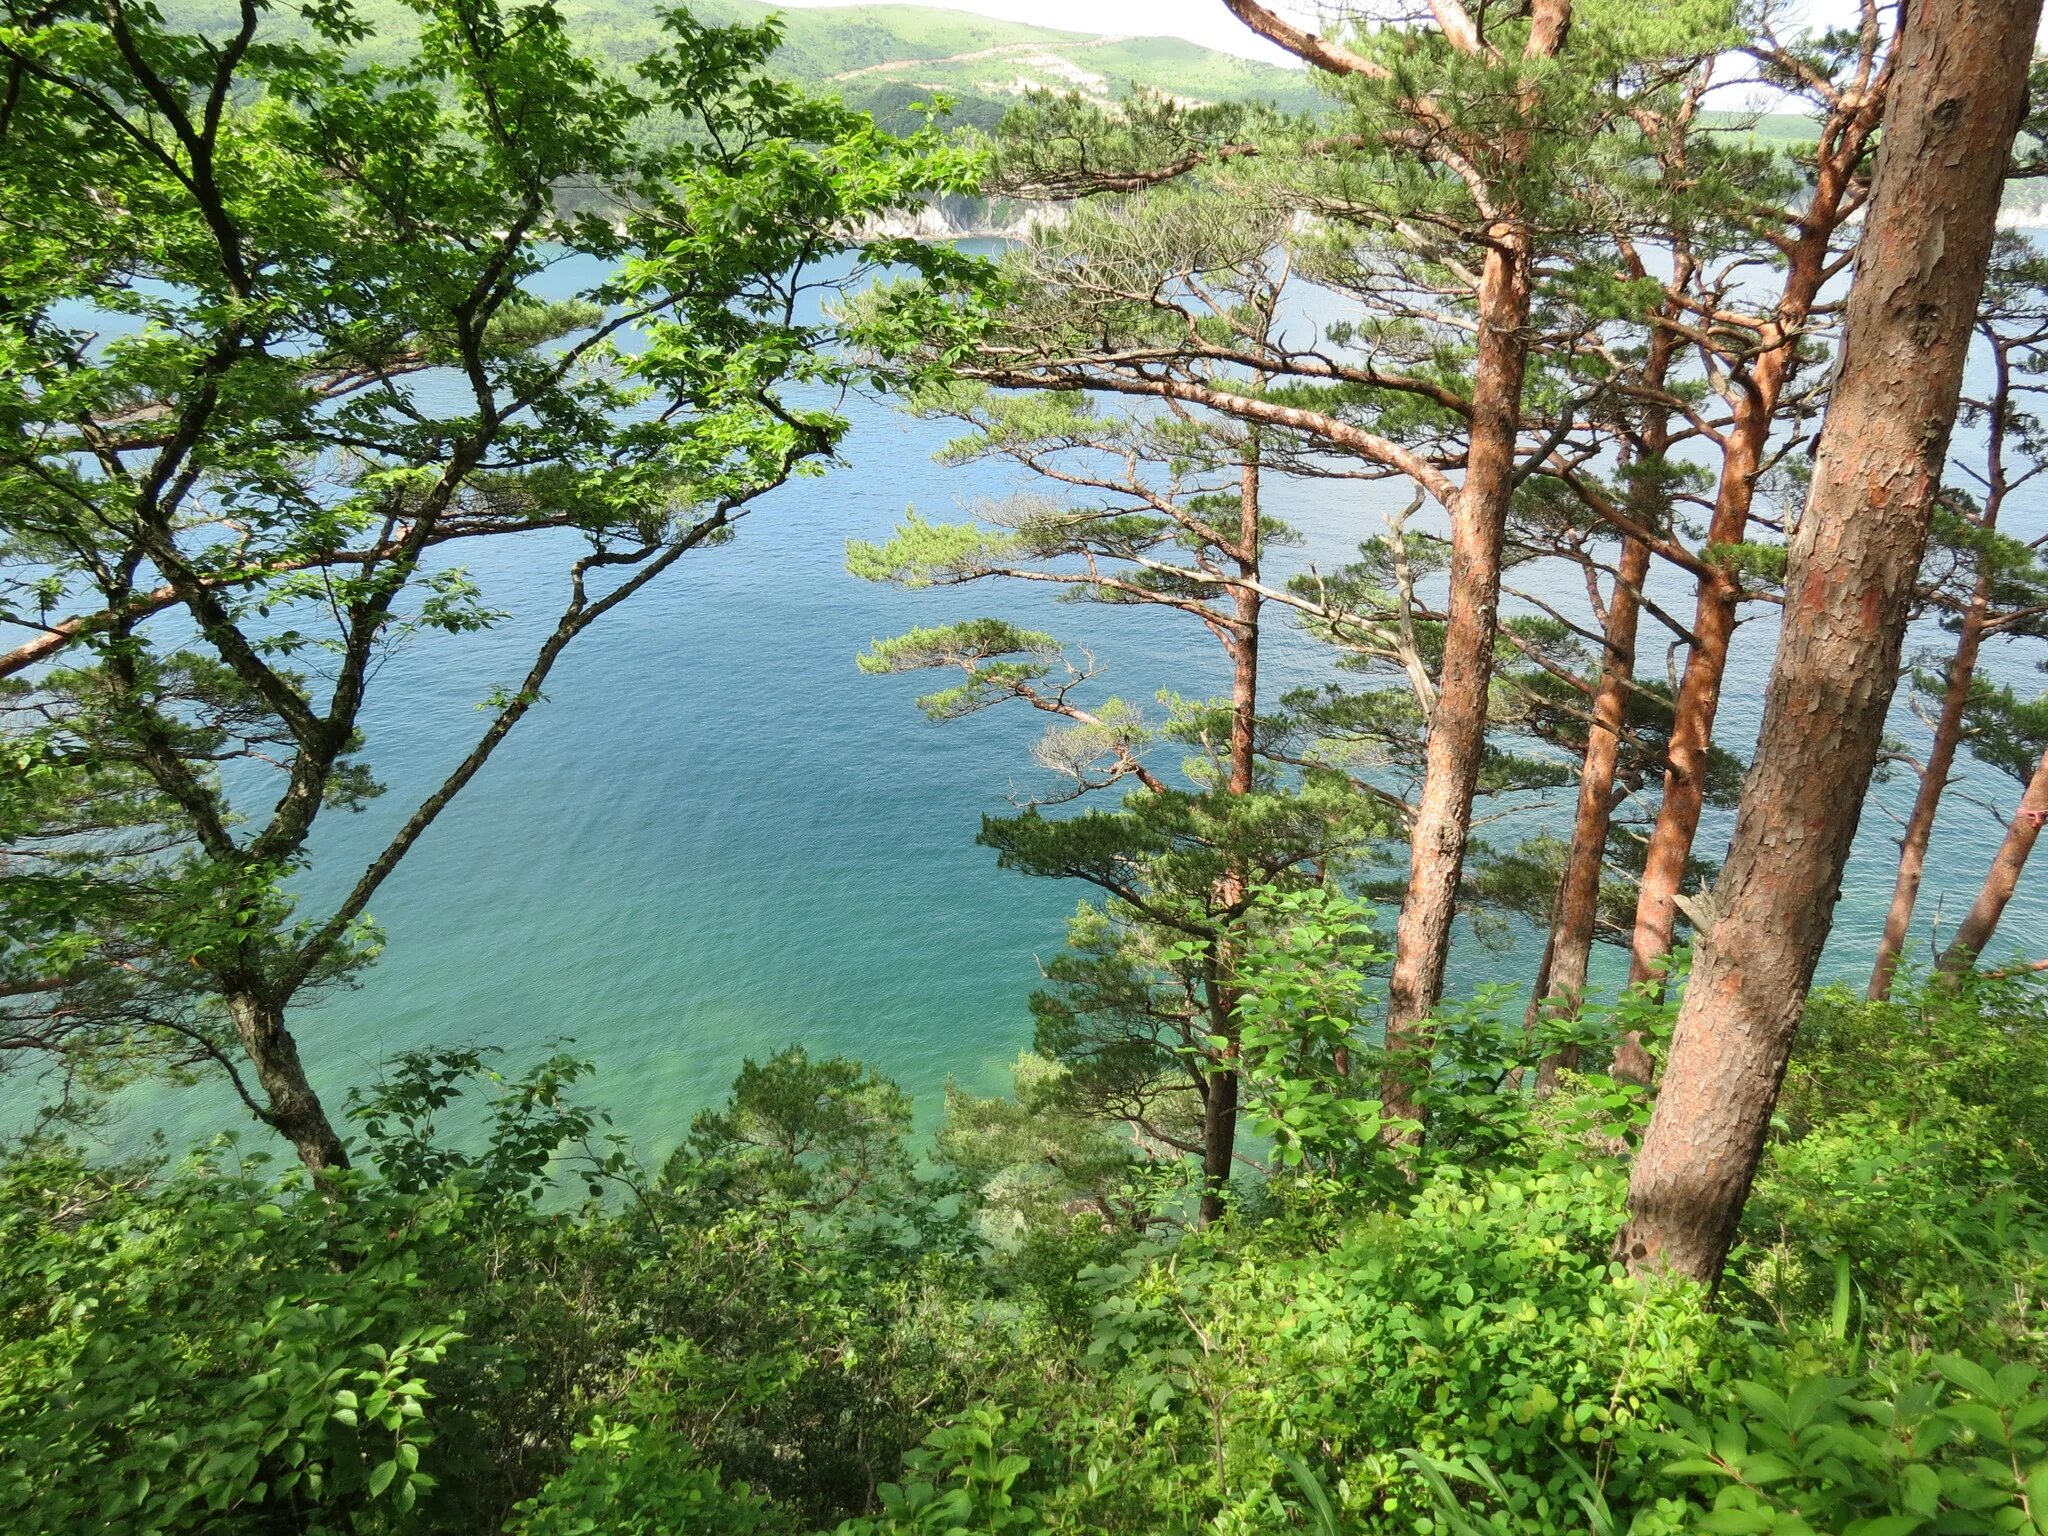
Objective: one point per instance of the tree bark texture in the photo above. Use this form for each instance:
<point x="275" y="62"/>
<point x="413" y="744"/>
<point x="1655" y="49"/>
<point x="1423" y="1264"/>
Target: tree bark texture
<point x="1757" y="389"/>
<point x="1219" y="1106"/>
<point x="1955" y="699"/>
<point x="1578" y="905"/>
<point x="294" y="1110"/>
<point x="1457" y="725"/>
<point x="1957" y="96"/>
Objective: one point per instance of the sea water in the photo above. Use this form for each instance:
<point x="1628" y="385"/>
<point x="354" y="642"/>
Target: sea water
<point x="717" y="837"/>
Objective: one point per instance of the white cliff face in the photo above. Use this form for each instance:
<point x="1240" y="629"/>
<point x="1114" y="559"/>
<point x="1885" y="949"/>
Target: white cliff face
<point x="938" y="221"/>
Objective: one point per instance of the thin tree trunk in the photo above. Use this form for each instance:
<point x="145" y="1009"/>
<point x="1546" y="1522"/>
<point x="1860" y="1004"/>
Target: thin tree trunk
<point x="1244" y="646"/>
<point x="1578" y="909"/>
<point x="1219" y="1108"/>
<point x="1566" y="1059"/>
<point x="1982" y="921"/>
<point x="1934" y="777"/>
<point x="294" y="1111"/>
<point x="1955" y="699"/>
<point x="1457" y="725"/>
<point x="1757" y="390"/>
<point x="1219" y="1139"/>
<point x="1579" y="914"/>
<point x="1957" y="97"/>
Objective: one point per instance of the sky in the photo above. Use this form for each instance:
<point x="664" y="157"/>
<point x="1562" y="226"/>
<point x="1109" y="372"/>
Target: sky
<point x="1199" y="21"/>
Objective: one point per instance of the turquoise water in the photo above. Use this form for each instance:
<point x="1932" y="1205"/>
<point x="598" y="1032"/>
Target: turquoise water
<point x="717" y="837"/>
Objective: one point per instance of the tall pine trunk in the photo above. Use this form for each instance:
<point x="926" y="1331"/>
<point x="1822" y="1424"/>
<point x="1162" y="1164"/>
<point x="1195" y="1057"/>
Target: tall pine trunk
<point x="1578" y="910"/>
<point x="1478" y="514"/>
<point x="1219" y="1105"/>
<point x="1578" y="904"/>
<point x="1957" y="97"/>
<point x="1981" y="922"/>
<point x="1757" y="389"/>
<point x="1456" y="741"/>
<point x="1955" y="700"/>
<point x="1219" y="1102"/>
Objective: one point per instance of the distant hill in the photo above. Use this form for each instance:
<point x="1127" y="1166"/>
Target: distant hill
<point x="882" y="58"/>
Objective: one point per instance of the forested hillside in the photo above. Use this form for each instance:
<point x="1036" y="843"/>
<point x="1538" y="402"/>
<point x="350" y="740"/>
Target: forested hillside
<point x="366" y="368"/>
<point x="884" y="58"/>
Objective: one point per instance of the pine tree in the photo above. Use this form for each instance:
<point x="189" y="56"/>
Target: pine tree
<point x="1960" y="84"/>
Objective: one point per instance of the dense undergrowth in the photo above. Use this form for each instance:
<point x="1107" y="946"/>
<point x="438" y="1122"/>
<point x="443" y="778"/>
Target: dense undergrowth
<point x="801" y="1324"/>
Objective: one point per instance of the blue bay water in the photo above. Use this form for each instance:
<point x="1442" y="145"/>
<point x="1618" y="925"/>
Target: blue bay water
<point x="717" y="837"/>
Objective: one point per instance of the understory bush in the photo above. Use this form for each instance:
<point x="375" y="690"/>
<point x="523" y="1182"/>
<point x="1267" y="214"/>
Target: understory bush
<point x="803" y="1322"/>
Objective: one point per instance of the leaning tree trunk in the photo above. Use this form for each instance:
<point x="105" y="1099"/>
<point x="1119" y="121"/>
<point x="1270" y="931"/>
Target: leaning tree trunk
<point x="291" y="1107"/>
<point x="1955" y="701"/>
<point x="2004" y="878"/>
<point x="1457" y="729"/>
<point x="1457" y="725"/>
<point x="1757" y="392"/>
<point x="1578" y="911"/>
<point x="1957" y="98"/>
<point x="1934" y="776"/>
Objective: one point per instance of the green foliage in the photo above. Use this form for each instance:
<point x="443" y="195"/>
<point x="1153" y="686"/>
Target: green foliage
<point x="1911" y="1161"/>
<point x="790" y="1329"/>
<point x="196" y="1356"/>
<point x="1474" y="1323"/>
<point x="959" y="1481"/>
<point x="641" y="1479"/>
<point x="820" y="1137"/>
<point x="1953" y="1446"/>
<point x="1025" y="1162"/>
<point x="251" y="248"/>
<point x="1304" y="1000"/>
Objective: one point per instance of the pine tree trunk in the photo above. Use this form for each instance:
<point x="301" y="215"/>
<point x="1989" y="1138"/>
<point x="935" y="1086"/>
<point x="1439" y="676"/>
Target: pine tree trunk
<point x="1457" y="725"/>
<point x="1244" y="648"/>
<point x="1957" y="97"/>
<point x="294" y="1109"/>
<point x="1219" y="1136"/>
<point x="1219" y="1108"/>
<point x="1578" y="908"/>
<point x="1563" y="1060"/>
<point x="1757" y="390"/>
<point x="1934" y="777"/>
<point x="1982" y="921"/>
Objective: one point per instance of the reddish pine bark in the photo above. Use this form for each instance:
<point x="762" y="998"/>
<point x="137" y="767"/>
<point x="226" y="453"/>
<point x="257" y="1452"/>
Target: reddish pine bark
<point x="1578" y="906"/>
<point x="1570" y="954"/>
<point x="1934" y="777"/>
<point x="1457" y="725"/>
<point x="1478" y="513"/>
<point x="1982" y="920"/>
<point x="1957" y="96"/>
<point x="1955" y="699"/>
<point x="1757" y="387"/>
